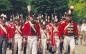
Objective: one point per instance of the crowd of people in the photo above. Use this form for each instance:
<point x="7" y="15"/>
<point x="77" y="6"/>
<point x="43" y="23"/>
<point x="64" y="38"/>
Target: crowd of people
<point x="36" y="36"/>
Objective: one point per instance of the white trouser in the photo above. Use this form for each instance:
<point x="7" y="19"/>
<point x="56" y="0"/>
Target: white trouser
<point x="57" y="44"/>
<point x="44" y="45"/>
<point x="69" y="40"/>
<point x="31" y="45"/>
<point x="17" y="42"/>
<point x="84" y="37"/>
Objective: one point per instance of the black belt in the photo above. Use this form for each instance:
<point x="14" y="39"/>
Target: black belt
<point x="71" y="34"/>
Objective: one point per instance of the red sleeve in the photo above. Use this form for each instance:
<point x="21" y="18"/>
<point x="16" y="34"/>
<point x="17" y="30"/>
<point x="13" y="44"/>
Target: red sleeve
<point x="61" y="29"/>
<point x="76" y="29"/>
<point x="38" y="30"/>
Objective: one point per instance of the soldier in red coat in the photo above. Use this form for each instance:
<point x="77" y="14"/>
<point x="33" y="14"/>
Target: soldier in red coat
<point x="50" y="35"/>
<point x="10" y="27"/>
<point x="25" y="32"/>
<point x="38" y="33"/>
<point x="31" y="30"/>
<point x="3" y="33"/>
<point x="68" y="28"/>
<point x="10" y="33"/>
<point x="56" y="36"/>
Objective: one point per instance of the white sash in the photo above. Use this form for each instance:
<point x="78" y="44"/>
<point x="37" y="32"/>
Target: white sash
<point x="32" y="26"/>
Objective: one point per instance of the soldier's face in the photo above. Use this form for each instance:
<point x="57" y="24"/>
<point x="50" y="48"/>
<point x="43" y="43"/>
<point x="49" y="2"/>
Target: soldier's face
<point x="68" y="18"/>
<point x="16" y="22"/>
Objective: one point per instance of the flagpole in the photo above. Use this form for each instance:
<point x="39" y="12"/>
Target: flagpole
<point x="29" y="9"/>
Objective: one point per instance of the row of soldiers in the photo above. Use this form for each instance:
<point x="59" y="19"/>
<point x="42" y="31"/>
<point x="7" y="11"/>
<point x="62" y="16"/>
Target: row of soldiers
<point x="37" y="37"/>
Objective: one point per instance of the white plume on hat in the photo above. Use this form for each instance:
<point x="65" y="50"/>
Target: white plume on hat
<point x="44" y="22"/>
<point x="3" y="15"/>
<point x="56" y="19"/>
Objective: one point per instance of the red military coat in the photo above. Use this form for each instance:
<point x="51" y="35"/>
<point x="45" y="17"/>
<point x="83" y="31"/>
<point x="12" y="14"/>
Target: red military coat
<point x="10" y="30"/>
<point x="37" y="27"/>
<point x="64" y="31"/>
<point x="26" y="31"/>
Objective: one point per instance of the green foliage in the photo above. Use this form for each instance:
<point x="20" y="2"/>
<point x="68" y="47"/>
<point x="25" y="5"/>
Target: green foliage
<point x="38" y="6"/>
<point x="48" y="5"/>
<point x="44" y="6"/>
<point x="80" y="7"/>
<point x="5" y="5"/>
<point x="19" y="5"/>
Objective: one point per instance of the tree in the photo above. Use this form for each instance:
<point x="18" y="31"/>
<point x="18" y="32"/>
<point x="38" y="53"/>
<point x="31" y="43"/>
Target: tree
<point x="80" y="7"/>
<point x="5" y="5"/>
<point x="19" y="6"/>
<point x="45" y="6"/>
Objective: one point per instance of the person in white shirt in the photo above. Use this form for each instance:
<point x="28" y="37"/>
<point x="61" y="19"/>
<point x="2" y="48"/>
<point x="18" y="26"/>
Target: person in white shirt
<point x="83" y="30"/>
